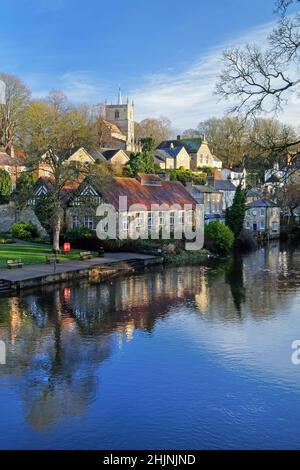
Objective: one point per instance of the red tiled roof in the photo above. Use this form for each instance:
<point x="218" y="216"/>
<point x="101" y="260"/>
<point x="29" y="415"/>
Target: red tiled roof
<point x="169" y="192"/>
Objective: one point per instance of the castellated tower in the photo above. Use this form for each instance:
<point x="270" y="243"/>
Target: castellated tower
<point x="122" y="115"/>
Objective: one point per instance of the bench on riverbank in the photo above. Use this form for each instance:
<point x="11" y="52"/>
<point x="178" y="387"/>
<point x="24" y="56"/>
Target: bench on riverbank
<point x="14" y="263"/>
<point x="85" y="255"/>
<point x="52" y="259"/>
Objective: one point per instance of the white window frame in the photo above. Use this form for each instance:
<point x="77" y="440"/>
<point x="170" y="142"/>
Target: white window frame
<point x="75" y="221"/>
<point x="88" y="222"/>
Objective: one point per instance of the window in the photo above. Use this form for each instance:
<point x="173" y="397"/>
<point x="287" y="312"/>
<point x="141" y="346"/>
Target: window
<point x="247" y="212"/>
<point x="162" y="219"/>
<point x="181" y="217"/>
<point x="262" y="212"/>
<point x="88" y="222"/>
<point x="172" y="219"/>
<point x="75" y="221"/>
<point x="262" y="224"/>
<point x="248" y="225"/>
<point x="150" y="220"/>
<point x="117" y="114"/>
<point x="274" y="226"/>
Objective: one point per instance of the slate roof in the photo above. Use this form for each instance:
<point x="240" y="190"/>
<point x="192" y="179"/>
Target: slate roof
<point x="262" y="203"/>
<point x="223" y="185"/>
<point x="191" y="145"/>
<point x="168" y="152"/>
<point x="110" y="153"/>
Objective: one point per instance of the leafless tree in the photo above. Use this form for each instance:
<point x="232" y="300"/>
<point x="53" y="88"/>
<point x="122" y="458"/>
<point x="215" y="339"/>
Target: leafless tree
<point x="16" y="97"/>
<point x="261" y="80"/>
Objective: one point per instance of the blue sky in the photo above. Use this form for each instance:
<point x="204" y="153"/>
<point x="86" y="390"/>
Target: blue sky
<point x="163" y="53"/>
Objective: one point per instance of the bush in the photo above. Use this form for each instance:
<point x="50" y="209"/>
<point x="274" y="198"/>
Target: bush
<point x="24" y="231"/>
<point x="81" y="238"/>
<point x="218" y="237"/>
<point x="5" y="238"/>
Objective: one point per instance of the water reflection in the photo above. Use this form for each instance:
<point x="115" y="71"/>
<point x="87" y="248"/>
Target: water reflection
<point x="58" y="338"/>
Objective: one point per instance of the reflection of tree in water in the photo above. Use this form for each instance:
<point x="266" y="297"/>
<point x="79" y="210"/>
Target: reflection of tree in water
<point x="234" y="276"/>
<point x="57" y="338"/>
<point x="57" y="366"/>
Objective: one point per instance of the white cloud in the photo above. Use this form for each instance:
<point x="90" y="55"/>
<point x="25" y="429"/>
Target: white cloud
<point x="188" y="97"/>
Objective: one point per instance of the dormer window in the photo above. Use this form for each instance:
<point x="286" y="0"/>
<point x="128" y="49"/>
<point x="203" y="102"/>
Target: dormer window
<point x="117" y="114"/>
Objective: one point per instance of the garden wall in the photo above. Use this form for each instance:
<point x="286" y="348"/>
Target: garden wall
<point x="8" y="217"/>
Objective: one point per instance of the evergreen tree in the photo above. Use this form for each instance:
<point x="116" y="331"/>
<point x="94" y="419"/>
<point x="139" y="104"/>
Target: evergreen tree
<point x="24" y="189"/>
<point x="142" y="162"/>
<point x="235" y="214"/>
<point x="5" y="186"/>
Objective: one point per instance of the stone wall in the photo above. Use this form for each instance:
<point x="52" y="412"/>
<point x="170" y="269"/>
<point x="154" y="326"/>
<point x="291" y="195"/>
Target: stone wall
<point x="8" y="217"/>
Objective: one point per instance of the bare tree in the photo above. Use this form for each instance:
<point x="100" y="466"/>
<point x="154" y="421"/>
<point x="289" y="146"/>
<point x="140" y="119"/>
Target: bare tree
<point x="159" y="129"/>
<point x="261" y="80"/>
<point x="16" y="97"/>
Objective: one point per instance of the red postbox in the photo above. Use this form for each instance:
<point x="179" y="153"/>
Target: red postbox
<point x="67" y="248"/>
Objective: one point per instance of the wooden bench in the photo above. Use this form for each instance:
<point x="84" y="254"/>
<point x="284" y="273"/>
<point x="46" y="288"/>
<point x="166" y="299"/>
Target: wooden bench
<point x="85" y="255"/>
<point x="14" y="263"/>
<point x="52" y="259"/>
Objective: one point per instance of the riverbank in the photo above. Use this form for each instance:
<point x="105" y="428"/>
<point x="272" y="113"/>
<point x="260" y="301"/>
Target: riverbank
<point x="95" y="269"/>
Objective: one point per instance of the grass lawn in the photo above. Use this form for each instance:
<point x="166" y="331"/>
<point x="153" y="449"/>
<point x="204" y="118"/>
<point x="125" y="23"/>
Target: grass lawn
<point x="31" y="254"/>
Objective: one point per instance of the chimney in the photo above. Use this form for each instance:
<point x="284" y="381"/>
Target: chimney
<point x="164" y="176"/>
<point x="179" y="137"/>
<point x="171" y="145"/>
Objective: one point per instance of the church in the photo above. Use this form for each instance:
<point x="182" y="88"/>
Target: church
<point x="117" y="126"/>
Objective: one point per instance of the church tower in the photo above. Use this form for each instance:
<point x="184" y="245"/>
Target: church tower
<point x="123" y="116"/>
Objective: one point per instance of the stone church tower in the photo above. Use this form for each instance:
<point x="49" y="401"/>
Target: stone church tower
<point x="122" y="115"/>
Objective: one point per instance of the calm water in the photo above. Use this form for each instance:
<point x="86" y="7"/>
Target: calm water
<point x="185" y="357"/>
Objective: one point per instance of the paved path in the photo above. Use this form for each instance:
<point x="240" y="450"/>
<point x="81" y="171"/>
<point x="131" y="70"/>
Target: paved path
<point x="40" y="270"/>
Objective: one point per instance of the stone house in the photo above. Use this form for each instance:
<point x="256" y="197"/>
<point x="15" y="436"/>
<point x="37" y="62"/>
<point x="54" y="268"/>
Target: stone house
<point x="226" y="187"/>
<point x="157" y="196"/>
<point x="170" y="158"/>
<point x="212" y="200"/>
<point x="237" y="175"/>
<point x="115" y="157"/>
<point x="152" y="197"/>
<point x="263" y="216"/>
<point x="198" y="150"/>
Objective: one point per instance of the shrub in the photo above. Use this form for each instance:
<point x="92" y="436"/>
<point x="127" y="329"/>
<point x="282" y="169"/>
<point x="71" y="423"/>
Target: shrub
<point x="24" y="230"/>
<point x="218" y="237"/>
<point x="81" y="238"/>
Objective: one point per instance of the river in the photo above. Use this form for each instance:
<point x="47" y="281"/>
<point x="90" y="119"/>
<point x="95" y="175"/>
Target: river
<point x="178" y="358"/>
